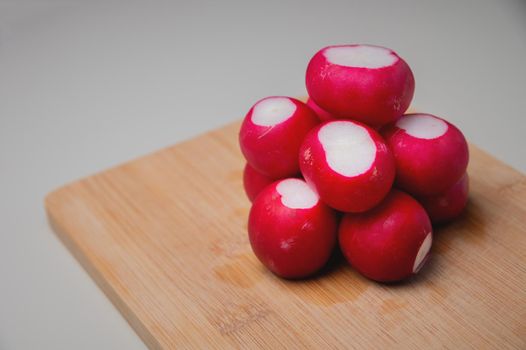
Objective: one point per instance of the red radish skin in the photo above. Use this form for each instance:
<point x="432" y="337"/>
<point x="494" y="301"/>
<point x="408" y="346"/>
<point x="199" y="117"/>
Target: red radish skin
<point x="272" y="132"/>
<point x="447" y="206"/>
<point x="390" y="242"/>
<point x="370" y="84"/>
<point x="254" y="182"/>
<point x="290" y="230"/>
<point x="348" y="164"/>
<point x="322" y="114"/>
<point x="431" y="154"/>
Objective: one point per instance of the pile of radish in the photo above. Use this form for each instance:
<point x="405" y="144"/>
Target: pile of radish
<point x="348" y="167"/>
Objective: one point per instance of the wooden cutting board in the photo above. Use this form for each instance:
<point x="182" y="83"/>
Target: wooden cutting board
<point x="165" y="237"/>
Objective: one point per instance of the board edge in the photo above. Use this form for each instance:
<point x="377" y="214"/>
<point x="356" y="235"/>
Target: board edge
<point x="140" y="329"/>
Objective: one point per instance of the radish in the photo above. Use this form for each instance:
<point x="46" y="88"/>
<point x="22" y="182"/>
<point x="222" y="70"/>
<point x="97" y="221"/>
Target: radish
<point x="371" y="84"/>
<point x="272" y="132"/>
<point x="446" y="206"/>
<point x="321" y="113"/>
<point x="389" y="243"/>
<point x="290" y="230"/>
<point x="254" y="182"/>
<point x="431" y="154"/>
<point x="348" y="164"/>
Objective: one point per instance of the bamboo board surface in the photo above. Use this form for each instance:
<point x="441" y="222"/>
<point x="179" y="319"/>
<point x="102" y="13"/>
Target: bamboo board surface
<point x="165" y="237"/>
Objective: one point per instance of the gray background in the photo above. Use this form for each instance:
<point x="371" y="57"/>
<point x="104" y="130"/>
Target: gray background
<point x="87" y="85"/>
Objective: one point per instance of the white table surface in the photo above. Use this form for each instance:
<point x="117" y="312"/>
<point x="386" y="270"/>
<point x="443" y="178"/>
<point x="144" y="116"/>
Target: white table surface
<point x="85" y="85"/>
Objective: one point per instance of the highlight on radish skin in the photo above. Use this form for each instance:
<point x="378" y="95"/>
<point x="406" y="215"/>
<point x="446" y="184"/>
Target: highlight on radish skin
<point x="389" y="243"/>
<point x="348" y="164"/>
<point x="367" y="83"/>
<point x="431" y="154"/>
<point x="272" y="132"/>
<point x="291" y="231"/>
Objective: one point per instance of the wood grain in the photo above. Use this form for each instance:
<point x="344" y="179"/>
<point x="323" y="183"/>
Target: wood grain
<point x="165" y="237"/>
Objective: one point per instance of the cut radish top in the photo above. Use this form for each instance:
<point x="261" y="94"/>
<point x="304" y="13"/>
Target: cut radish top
<point x="422" y="126"/>
<point x="422" y="252"/>
<point x="296" y="194"/>
<point x="349" y="149"/>
<point x="360" y="56"/>
<point x="272" y="111"/>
